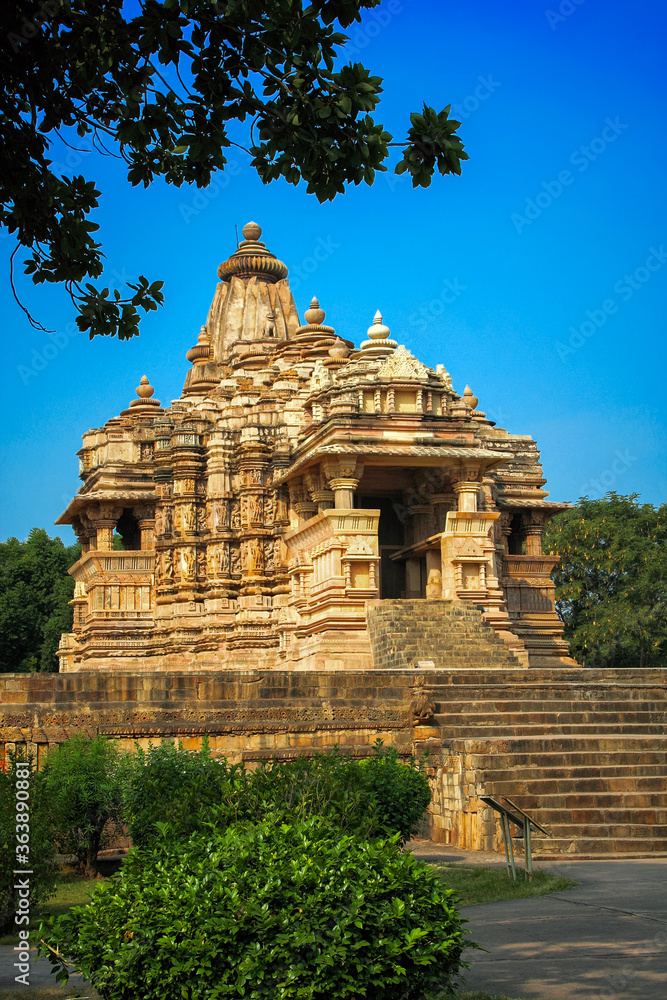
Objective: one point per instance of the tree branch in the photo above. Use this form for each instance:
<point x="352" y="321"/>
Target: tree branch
<point x="35" y="324"/>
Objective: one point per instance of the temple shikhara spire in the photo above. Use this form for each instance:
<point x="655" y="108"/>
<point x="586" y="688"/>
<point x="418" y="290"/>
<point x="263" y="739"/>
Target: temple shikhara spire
<point x="297" y="486"/>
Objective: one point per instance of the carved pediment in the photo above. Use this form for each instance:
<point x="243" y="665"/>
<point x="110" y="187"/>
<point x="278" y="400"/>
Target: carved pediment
<point x="402" y="365"/>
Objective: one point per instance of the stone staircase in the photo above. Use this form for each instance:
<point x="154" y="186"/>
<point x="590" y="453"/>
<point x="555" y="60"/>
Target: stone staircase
<point x="583" y="751"/>
<point x="450" y="634"/>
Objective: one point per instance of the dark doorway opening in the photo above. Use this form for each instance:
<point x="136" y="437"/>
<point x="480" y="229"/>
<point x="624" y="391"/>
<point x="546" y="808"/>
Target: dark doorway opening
<point x="391" y="538"/>
<point x="128" y="529"/>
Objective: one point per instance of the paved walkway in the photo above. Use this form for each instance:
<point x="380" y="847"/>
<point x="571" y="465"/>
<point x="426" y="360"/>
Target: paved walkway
<point x="604" y="940"/>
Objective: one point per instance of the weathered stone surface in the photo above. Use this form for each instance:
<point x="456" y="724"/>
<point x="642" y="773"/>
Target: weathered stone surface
<point x="295" y="481"/>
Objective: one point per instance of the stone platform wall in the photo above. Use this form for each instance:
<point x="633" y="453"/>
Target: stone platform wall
<point x="248" y="715"/>
<point x="584" y="751"/>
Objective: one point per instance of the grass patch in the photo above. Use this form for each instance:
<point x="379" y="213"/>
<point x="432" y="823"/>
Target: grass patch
<point x="71" y="890"/>
<point x="478" y="884"/>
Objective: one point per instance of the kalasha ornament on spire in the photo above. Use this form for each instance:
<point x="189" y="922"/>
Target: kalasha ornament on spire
<point x="202" y="349"/>
<point x="314" y="318"/>
<point x="378" y="343"/>
<point x="470" y="400"/>
<point x="144" y="404"/>
<point x="252" y="259"/>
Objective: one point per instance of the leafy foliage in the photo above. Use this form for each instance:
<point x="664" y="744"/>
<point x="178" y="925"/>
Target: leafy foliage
<point x="42" y="852"/>
<point x="165" y="87"/>
<point x="611" y="584"/>
<point x="84" y="779"/>
<point x="432" y="141"/>
<point x="271" y="910"/>
<point x="35" y="591"/>
<point x="170" y="787"/>
<point x="399" y="790"/>
<point x="177" y="791"/>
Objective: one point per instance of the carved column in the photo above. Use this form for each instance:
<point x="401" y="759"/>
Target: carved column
<point x="343" y="476"/>
<point x="467" y="496"/>
<point x="146" y="520"/>
<point x="422" y="524"/>
<point x="300" y="501"/>
<point x="322" y="497"/>
<point x="534" y="523"/>
<point x="104" y="520"/>
<point x="442" y="503"/>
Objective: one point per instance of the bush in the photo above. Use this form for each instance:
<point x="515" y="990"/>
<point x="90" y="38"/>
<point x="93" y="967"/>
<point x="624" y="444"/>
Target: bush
<point x="179" y="790"/>
<point x="177" y="787"/>
<point x="41" y="854"/>
<point x="84" y="780"/>
<point x="400" y="791"/>
<point x="267" y="911"/>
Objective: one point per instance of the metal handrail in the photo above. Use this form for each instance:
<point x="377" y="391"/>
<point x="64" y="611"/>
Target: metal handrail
<point x="520" y="818"/>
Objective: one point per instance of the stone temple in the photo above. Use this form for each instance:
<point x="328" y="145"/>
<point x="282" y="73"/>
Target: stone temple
<point x="296" y="483"/>
<point x="326" y="545"/>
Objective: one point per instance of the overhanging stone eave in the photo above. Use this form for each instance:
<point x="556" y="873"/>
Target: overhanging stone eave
<point x="395" y="453"/>
<point x="122" y="498"/>
<point x="523" y="503"/>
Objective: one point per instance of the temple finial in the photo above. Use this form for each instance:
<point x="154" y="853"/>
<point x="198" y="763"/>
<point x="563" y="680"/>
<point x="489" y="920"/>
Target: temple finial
<point x="251" y="231"/>
<point x="378" y="331"/>
<point x="470" y="400"/>
<point x="314" y="315"/>
<point x="378" y="343"/>
<point x="145" y="390"/>
<point x="143" y="404"/>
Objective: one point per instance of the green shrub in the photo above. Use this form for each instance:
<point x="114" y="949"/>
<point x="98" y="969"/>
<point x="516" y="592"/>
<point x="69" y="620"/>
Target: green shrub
<point x="401" y="791"/>
<point x="267" y="911"/>
<point x="177" y="787"/>
<point x="84" y="779"/>
<point x="41" y="853"/>
<point x="182" y="790"/>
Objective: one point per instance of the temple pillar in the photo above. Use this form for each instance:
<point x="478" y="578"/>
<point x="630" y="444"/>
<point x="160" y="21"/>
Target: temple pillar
<point x="146" y="520"/>
<point x="104" y="521"/>
<point x="467" y="493"/>
<point x="343" y="491"/>
<point x="343" y="477"/>
<point x="316" y="484"/>
<point x="534" y="539"/>
<point x="421" y="521"/>
<point x="300" y="501"/>
<point x="442" y="503"/>
<point x="324" y="499"/>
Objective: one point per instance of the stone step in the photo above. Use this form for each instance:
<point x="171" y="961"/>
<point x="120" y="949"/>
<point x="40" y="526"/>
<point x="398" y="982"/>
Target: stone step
<point x="516" y="692"/>
<point x="572" y="780"/>
<point x="629" y="807"/>
<point x="469" y="732"/>
<point x="565" y="677"/>
<point x="562" y="848"/>
<point x="575" y="765"/>
<point x="572" y="714"/>
<point x="557" y="743"/>
<point x="517" y="698"/>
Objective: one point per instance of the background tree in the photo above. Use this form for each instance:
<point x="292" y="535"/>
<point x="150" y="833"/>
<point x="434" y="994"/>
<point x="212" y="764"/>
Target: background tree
<point x="84" y="779"/>
<point x="611" y="584"/>
<point x="35" y="591"/>
<point x="165" y="90"/>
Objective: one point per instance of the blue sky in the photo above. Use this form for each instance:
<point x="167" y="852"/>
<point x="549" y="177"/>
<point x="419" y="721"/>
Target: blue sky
<point x="538" y="276"/>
